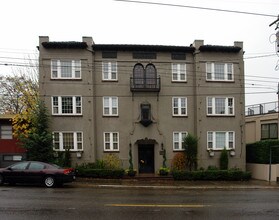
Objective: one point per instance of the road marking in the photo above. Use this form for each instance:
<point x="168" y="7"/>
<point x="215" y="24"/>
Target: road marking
<point x="159" y="205"/>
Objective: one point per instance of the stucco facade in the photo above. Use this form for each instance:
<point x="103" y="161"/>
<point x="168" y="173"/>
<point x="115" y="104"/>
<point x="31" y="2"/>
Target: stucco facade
<point x="114" y="108"/>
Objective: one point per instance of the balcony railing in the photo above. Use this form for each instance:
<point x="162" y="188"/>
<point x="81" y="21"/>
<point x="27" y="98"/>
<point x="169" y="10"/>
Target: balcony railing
<point x="145" y="84"/>
<point x="260" y="109"/>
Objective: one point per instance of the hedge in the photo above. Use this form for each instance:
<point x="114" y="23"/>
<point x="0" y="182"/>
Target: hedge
<point x="228" y="175"/>
<point x="101" y="173"/>
<point x="259" y="152"/>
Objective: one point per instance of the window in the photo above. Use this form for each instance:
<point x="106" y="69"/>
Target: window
<point x="109" y="71"/>
<point x="145" y="114"/>
<point x="6" y="132"/>
<point x="217" y="140"/>
<point x="111" y="141"/>
<point x="36" y="166"/>
<point x="178" y="139"/>
<point x="145" y="79"/>
<point x="220" y="106"/>
<point x="179" y="106"/>
<point x="66" y="105"/>
<point x="68" y="140"/>
<point x="20" y="166"/>
<point x="219" y="71"/>
<point x="110" y="106"/>
<point x="12" y="157"/>
<point x="269" y="131"/>
<point x="65" y="69"/>
<point x="179" y="72"/>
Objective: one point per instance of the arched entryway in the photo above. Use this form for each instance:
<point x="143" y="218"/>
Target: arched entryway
<point x="146" y="155"/>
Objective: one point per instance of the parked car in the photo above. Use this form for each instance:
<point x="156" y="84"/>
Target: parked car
<point x="35" y="172"/>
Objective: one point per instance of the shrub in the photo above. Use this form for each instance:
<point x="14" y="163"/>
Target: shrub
<point x="179" y="161"/>
<point x="227" y="175"/>
<point x="112" y="161"/>
<point x="191" y="149"/>
<point x="101" y="173"/>
<point x="224" y="160"/>
<point x="258" y="152"/>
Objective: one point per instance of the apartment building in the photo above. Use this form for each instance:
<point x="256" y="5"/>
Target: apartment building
<point x="112" y="98"/>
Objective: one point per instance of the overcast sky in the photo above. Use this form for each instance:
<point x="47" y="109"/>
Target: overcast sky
<point x="117" y="22"/>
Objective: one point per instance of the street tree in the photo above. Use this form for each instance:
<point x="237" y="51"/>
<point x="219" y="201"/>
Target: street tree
<point x="38" y="142"/>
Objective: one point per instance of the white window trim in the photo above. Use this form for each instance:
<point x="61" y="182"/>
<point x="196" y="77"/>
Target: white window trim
<point x="227" y="107"/>
<point x="227" y="134"/>
<point x="180" y="141"/>
<point x="76" y="66"/>
<point x="212" y="68"/>
<point x="110" y="106"/>
<point x="109" y="71"/>
<point x="60" y="105"/>
<point x="61" y="140"/>
<point x="179" y="106"/>
<point x="179" y="72"/>
<point x="111" y="141"/>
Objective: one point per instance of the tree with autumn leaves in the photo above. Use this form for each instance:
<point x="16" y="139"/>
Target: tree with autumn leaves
<point x="19" y="95"/>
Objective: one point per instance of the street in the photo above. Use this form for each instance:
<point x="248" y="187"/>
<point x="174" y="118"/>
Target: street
<point x="71" y="202"/>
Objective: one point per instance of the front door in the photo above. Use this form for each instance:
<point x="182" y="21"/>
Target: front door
<point x="146" y="158"/>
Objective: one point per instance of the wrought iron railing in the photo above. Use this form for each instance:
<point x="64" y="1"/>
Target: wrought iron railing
<point x="145" y="84"/>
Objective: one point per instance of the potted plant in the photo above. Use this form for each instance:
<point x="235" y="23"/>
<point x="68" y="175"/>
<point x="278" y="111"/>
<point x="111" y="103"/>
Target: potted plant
<point x="164" y="171"/>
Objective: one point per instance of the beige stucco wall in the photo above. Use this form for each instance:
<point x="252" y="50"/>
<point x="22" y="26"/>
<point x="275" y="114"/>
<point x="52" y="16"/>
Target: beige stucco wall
<point x="196" y="89"/>
<point x="261" y="171"/>
<point x="253" y="125"/>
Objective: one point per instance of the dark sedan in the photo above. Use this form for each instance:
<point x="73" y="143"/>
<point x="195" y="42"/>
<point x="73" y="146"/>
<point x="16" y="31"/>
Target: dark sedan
<point x="34" y="172"/>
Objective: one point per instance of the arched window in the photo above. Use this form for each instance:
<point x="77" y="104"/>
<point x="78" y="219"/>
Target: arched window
<point x="138" y="75"/>
<point x="150" y="76"/>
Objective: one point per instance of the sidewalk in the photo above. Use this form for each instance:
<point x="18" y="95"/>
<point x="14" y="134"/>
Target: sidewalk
<point x="171" y="184"/>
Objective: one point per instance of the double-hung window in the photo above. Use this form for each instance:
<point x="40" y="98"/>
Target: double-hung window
<point x="72" y="141"/>
<point x="66" y="105"/>
<point x="219" y="72"/>
<point x="218" y="140"/>
<point x="109" y="71"/>
<point x="65" y="69"/>
<point x="111" y="141"/>
<point x="179" y="106"/>
<point x="179" y="72"/>
<point x="178" y="139"/>
<point x="110" y="106"/>
<point x="220" y="106"/>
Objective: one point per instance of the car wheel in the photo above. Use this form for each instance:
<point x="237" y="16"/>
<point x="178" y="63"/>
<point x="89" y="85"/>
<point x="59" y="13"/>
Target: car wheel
<point x="49" y="181"/>
<point x="1" y="179"/>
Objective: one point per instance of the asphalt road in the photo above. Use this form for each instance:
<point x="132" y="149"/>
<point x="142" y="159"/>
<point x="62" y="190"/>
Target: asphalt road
<point x="29" y="202"/>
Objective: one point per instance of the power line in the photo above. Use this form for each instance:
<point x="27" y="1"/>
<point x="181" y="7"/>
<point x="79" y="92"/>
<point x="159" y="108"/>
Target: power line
<point x="196" y="7"/>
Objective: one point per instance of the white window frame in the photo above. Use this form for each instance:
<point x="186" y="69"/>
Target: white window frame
<point x="77" y="140"/>
<point x="179" y="70"/>
<point x="211" y="74"/>
<point x="111" y="71"/>
<point x="56" y="103"/>
<point x="212" y="140"/>
<point x="211" y="106"/>
<point x="109" y="145"/>
<point x="56" y="69"/>
<point x="179" y="106"/>
<point x="179" y="140"/>
<point x="110" y="106"/>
